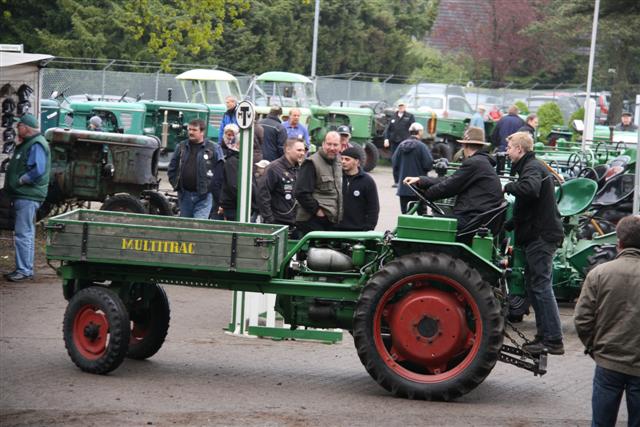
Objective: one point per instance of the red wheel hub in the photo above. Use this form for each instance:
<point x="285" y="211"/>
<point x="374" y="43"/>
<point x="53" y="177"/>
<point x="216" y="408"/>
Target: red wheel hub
<point x="90" y="332"/>
<point x="427" y="333"/>
<point x="429" y="327"/>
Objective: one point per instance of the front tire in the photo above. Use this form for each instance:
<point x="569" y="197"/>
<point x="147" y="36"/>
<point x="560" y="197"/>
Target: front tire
<point x="150" y="314"/>
<point x="96" y="330"/>
<point x="371" y="156"/>
<point x="427" y="326"/>
<point x="123" y="203"/>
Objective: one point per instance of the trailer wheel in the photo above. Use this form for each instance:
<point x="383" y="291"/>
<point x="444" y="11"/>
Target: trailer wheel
<point x="96" y="330"/>
<point x="371" y="156"/>
<point x="123" y="203"/>
<point x="158" y="204"/>
<point x="427" y="326"/>
<point x="149" y="323"/>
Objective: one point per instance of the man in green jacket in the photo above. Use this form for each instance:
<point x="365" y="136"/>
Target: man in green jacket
<point x="26" y="183"/>
<point x="607" y="319"/>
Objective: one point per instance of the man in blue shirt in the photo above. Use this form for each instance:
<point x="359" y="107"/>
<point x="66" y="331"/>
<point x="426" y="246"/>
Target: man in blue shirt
<point x="477" y="121"/>
<point x="295" y="129"/>
<point x="229" y="116"/>
<point x="27" y="183"/>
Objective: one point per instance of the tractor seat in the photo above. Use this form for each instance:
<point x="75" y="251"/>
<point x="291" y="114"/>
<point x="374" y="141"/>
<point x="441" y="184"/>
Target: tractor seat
<point x="576" y="196"/>
<point x="493" y="220"/>
<point x="615" y="190"/>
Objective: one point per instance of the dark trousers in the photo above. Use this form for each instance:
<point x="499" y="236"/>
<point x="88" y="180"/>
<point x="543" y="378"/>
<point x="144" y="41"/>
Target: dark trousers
<point x="404" y="202"/>
<point x="538" y="280"/>
<point x="608" y="387"/>
<point x="314" y="224"/>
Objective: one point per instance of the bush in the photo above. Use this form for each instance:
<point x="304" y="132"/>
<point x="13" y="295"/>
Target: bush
<point x="578" y="115"/>
<point x="549" y="115"/>
<point x="524" y="110"/>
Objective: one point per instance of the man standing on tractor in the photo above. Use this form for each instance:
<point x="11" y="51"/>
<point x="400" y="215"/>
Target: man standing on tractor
<point x="319" y="188"/>
<point x="398" y="129"/>
<point x="359" y="194"/>
<point x="538" y="230"/>
<point x="475" y="183"/>
<point x="607" y="320"/>
<point x="506" y="126"/>
<point x="195" y="172"/>
<point x="295" y="129"/>
<point x="27" y="183"/>
<point x="229" y="116"/>
<point x="276" y="187"/>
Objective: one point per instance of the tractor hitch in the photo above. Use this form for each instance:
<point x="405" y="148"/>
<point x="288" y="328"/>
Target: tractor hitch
<point x="534" y="363"/>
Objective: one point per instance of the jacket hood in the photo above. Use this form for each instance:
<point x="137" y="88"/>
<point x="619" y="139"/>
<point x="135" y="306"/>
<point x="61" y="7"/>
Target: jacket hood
<point x="409" y="145"/>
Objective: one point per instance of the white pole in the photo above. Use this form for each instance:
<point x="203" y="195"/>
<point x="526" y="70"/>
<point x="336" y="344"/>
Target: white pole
<point x="314" y="51"/>
<point x="592" y="53"/>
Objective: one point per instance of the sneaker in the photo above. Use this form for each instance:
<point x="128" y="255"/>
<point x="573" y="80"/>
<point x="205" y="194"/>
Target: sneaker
<point x="551" y="347"/>
<point x="18" y="277"/>
<point x="6" y="275"/>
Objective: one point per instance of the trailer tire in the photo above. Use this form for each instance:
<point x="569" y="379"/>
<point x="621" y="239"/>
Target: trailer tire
<point x="96" y="330"/>
<point x="371" y="156"/>
<point x="423" y="341"/>
<point x="158" y="204"/>
<point x="123" y="203"/>
<point x="149" y="325"/>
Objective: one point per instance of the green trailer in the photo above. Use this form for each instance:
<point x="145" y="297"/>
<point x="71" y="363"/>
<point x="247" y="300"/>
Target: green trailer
<point x="427" y="312"/>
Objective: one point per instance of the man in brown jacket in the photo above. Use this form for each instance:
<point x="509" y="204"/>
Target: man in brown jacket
<point x="607" y="319"/>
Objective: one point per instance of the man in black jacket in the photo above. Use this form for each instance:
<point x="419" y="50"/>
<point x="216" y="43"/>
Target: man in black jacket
<point x="398" y="129"/>
<point x="274" y="135"/>
<point x="538" y="230"/>
<point x="475" y="184"/>
<point x="359" y="194"/>
<point x="195" y="171"/>
<point x="276" y="187"/>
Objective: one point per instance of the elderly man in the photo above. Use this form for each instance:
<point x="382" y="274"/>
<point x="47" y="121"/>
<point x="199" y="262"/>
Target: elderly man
<point x="27" y="182"/>
<point x="195" y="171"/>
<point x="295" y="129"/>
<point x="276" y="187"/>
<point x="229" y="116"/>
<point x="95" y="124"/>
<point x="477" y="120"/>
<point x="319" y="188"/>
<point x="538" y="231"/>
<point x="475" y="183"/>
<point x="412" y="158"/>
<point x="607" y="320"/>
<point x="625" y="125"/>
<point x="398" y="128"/>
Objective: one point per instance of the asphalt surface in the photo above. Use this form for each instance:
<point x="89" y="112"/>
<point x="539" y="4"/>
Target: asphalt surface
<point x="203" y="376"/>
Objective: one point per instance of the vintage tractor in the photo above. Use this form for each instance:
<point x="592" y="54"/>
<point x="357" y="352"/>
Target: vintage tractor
<point x="426" y="303"/>
<point x="116" y="169"/>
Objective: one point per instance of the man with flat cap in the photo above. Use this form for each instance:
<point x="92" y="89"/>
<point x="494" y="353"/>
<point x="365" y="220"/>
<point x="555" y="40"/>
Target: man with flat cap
<point x="475" y="183"/>
<point x="27" y="182"/>
<point x="359" y="194"/>
<point x="625" y="124"/>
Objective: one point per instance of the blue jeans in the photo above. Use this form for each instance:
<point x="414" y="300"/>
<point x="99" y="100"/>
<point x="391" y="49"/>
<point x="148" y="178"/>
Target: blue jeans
<point x="25" y="234"/>
<point x="538" y="279"/>
<point x="608" y="387"/>
<point x="193" y="205"/>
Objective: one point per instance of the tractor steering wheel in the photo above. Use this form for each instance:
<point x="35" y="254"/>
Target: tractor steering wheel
<point x="574" y="162"/>
<point x="435" y="208"/>
<point x="624" y="147"/>
<point x="588" y="172"/>
<point x="601" y="153"/>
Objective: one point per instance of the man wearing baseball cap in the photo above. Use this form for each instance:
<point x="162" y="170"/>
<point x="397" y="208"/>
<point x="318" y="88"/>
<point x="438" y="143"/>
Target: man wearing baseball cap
<point x="345" y="137"/>
<point x="27" y="182"/>
<point x="475" y="183"/>
<point x="359" y="194"/>
<point x="398" y="128"/>
<point x="625" y="125"/>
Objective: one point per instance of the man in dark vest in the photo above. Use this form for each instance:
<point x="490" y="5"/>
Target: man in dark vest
<point x="319" y="188"/>
<point x="27" y="181"/>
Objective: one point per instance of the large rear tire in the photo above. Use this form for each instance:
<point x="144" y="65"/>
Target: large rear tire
<point x="371" y="156"/>
<point x="158" y="204"/>
<point x="150" y="314"/>
<point x="427" y="326"/>
<point x="96" y="330"/>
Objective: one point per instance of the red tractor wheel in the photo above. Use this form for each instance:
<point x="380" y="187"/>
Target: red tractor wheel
<point x="149" y="313"/>
<point x="428" y="327"/>
<point x="96" y="330"/>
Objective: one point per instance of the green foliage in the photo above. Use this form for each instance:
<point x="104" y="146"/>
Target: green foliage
<point x="437" y="67"/>
<point x="522" y="106"/>
<point x="549" y="115"/>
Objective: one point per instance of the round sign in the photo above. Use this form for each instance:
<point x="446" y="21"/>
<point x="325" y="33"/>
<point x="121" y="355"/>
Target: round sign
<point x="245" y="114"/>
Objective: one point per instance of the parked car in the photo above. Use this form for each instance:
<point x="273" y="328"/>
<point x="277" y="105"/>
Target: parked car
<point x="567" y="104"/>
<point x="602" y="104"/>
<point x="445" y="106"/>
<point x="489" y="101"/>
